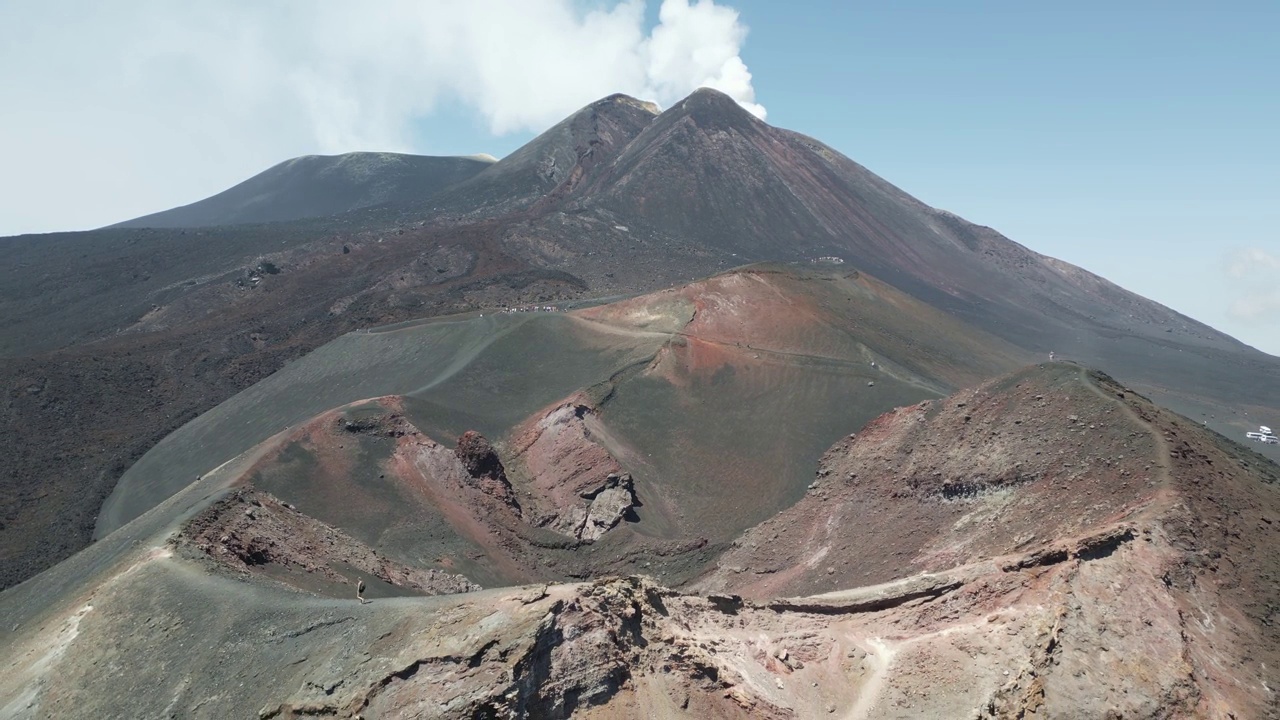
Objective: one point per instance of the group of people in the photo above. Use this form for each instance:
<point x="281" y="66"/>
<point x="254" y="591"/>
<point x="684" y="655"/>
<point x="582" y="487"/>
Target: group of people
<point x="531" y="308"/>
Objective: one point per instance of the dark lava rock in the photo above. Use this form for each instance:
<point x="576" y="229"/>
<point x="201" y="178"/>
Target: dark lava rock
<point x="483" y="465"/>
<point x="477" y="456"/>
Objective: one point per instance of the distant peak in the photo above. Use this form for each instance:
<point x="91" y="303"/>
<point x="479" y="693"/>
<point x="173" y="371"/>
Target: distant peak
<point x="709" y="107"/>
<point x="708" y="94"/>
<point x="621" y="99"/>
<point x="705" y="97"/>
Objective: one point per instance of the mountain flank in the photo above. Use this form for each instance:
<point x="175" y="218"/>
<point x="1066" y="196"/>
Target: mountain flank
<point x="115" y="338"/>
<point x="320" y="185"/>
<point x="1146" y="591"/>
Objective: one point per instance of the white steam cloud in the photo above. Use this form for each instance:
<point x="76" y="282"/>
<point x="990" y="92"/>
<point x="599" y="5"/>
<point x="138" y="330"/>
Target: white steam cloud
<point x="117" y="109"/>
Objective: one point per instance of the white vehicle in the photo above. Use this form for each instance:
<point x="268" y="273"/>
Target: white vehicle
<point x="1264" y="435"/>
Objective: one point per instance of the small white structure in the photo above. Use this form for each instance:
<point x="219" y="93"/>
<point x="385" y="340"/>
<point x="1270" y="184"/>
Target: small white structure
<point x="1264" y="435"/>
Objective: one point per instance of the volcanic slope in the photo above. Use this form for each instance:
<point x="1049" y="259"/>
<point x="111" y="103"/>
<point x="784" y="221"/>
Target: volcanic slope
<point x="705" y="179"/>
<point x="105" y="359"/>
<point x="111" y="339"/>
<point x="114" y="338"/>
<point x="1127" y="535"/>
<point x="740" y="381"/>
<point x="553" y="163"/>
<point x="1145" y="592"/>
<point x="319" y="185"/>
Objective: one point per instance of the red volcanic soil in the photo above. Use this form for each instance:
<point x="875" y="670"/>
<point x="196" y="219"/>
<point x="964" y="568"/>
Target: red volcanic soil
<point x="366" y="468"/>
<point x="1012" y="466"/>
<point x="770" y="312"/>
<point x="254" y="532"/>
<point x="421" y="503"/>
<point x="723" y="316"/>
<point x="573" y="483"/>
<point x="765" y="367"/>
<point x="1082" y="494"/>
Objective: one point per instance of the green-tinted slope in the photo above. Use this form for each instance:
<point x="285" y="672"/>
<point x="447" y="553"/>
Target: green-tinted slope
<point x="416" y="360"/>
<point x="718" y="397"/>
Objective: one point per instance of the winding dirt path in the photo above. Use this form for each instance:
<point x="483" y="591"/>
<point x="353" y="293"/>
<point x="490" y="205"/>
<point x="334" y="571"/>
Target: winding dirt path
<point x="870" y="690"/>
<point x="1162" y="448"/>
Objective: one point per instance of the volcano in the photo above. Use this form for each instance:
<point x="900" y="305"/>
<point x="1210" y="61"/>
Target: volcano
<point x="668" y="412"/>
<point x="316" y="186"/>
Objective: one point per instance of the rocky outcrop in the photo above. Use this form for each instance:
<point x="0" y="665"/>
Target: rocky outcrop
<point x="576" y="485"/>
<point x="983" y="643"/>
<point x="557" y="450"/>
<point x="385" y="424"/>
<point x="253" y="532"/>
<point x="484" y="467"/>
<point x="606" y="506"/>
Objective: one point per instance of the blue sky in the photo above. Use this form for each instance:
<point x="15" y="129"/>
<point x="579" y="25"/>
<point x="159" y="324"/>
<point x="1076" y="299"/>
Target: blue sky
<point x="1139" y="140"/>
<point x="1135" y="139"/>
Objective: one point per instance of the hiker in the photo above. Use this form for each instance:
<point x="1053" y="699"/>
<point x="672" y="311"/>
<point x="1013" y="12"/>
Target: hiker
<point x="360" y="590"/>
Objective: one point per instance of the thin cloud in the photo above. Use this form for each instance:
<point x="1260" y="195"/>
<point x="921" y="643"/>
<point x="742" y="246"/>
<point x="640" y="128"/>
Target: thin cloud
<point x="1254" y="275"/>
<point x="1260" y="307"/>
<point x="115" y="109"/>
<point x="1251" y="262"/>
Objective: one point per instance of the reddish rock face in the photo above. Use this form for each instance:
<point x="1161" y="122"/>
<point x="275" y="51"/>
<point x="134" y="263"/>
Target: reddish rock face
<point x="482" y="464"/>
<point x="477" y="456"/>
<point x="255" y="533"/>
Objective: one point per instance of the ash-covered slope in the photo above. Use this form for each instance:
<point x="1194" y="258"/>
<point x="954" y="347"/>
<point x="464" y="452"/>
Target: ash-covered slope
<point x="707" y="174"/>
<point x="554" y="162"/>
<point x="673" y="385"/>
<point x="965" y="576"/>
<point x="321" y="185"/>
<point x="114" y="338"/>
<point x="1145" y="540"/>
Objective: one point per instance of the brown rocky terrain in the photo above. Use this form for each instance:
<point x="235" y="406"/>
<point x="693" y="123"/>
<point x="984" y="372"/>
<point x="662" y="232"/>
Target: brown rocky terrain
<point x="253" y="532"/>
<point x="575" y="485"/>
<point x="407" y="501"/>
<point x="1129" y="576"/>
<point x="1142" y="540"/>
